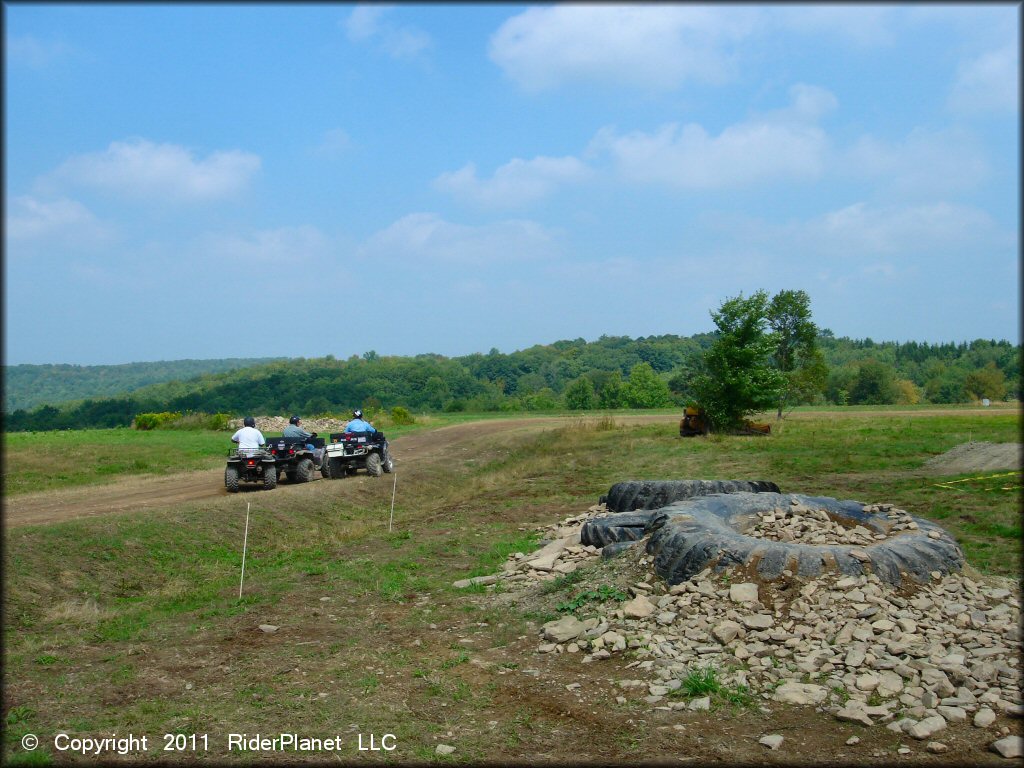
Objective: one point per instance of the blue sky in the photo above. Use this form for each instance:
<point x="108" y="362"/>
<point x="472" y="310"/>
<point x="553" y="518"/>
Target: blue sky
<point x="200" y="181"/>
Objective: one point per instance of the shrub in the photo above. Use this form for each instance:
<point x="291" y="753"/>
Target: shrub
<point x="196" y="421"/>
<point x="148" y="421"/>
<point x="188" y="421"/>
<point x="401" y="416"/>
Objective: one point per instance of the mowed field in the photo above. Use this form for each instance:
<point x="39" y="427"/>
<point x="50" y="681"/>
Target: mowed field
<point x="122" y="614"/>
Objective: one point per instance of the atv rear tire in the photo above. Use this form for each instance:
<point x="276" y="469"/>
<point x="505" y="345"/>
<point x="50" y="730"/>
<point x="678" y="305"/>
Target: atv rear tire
<point x="304" y="471"/>
<point x="231" y="479"/>
<point x="269" y="478"/>
<point x="389" y="464"/>
<point x="325" y="468"/>
<point x="373" y="465"/>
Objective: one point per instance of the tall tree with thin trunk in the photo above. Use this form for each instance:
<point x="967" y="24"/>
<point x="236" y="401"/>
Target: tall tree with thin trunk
<point x="796" y="353"/>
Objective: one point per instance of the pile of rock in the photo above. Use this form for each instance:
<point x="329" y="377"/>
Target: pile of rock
<point x="802" y="525"/>
<point x="274" y="425"/>
<point x="915" y="661"/>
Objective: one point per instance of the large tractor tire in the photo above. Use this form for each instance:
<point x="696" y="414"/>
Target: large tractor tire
<point x="690" y="535"/>
<point x="633" y="503"/>
<point x="231" y="479"/>
<point x="304" y="471"/>
<point x="269" y="478"/>
<point x="373" y="465"/>
<point x="631" y="495"/>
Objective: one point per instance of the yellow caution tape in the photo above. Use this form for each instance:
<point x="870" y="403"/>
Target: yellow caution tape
<point x="951" y="483"/>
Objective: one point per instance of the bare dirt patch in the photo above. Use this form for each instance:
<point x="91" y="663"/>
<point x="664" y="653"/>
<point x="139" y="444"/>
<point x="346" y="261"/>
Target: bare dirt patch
<point x="977" y="457"/>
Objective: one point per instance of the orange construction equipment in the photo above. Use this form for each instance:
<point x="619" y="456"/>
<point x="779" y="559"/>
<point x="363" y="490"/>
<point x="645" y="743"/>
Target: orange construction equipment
<point x="695" y="422"/>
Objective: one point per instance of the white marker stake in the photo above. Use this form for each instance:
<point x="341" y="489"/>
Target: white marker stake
<point x="245" y="543"/>
<point x="393" y="489"/>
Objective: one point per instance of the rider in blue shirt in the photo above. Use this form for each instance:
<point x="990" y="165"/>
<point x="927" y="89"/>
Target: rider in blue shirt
<point x="357" y="424"/>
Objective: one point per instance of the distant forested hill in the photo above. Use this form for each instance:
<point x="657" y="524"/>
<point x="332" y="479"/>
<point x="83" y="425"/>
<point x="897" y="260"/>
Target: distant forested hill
<point x="611" y="372"/>
<point x="27" y="386"/>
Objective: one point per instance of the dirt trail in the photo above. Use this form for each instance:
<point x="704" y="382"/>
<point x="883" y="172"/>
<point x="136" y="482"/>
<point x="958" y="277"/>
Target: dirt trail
<point x="149" y="492"/>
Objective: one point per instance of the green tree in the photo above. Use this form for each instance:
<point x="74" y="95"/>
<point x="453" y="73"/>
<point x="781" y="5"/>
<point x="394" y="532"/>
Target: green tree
<point x="544" y="399"/>
<point x="644" y="389"/>
<point x="435" y="392"/>
<point x="609" y="396"/>
<point x="580" y="395"/>
<point x="796" y="352"/>
<point x="874" y="384"/>
<point x="989" y="382"/>
<point x="738" y="376"/>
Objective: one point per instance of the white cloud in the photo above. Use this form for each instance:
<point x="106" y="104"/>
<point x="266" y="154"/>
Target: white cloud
<point x="862" y="231"/>
<point x="369" y="24"/>
<point x="515" y="183"/>
<point x="864" y="25"/>
<point x="651" y="46"/>
<point x="925" y="163"/>
<point x="283" y="247"/>
<point x="140" y="168"/>
<point x="35" y="53"/>
<point x="784" y="145"/>
<point x="334" y="143"/>
<point x="427" y="238"/>
<point x="63" y="220"/>
<point x="988" y="83"/>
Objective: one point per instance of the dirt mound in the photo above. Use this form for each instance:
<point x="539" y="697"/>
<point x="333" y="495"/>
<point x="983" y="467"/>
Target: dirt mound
<point x="977" y="457"/>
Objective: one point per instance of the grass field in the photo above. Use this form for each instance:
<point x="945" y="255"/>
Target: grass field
<point x="132" y="622"/>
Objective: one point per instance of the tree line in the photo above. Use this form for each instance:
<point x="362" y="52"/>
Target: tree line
<point x="29" y="386"/>
<point x="765" y="354"/>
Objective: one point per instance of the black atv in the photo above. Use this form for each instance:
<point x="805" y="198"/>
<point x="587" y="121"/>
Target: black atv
<point x="351" y="451"/>
<point x="252" y="465"/>
<point x="294" y="459"/>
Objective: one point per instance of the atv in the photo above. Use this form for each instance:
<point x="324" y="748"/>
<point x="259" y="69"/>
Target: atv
<point x="253" y="465"/>
<point x="294" y="459"/>
<point x="351" y="451"/>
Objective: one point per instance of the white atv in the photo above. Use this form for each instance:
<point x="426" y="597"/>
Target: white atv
<point x="350" y="451"/>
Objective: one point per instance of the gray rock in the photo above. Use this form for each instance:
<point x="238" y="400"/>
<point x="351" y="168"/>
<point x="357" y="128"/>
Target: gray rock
<point x="638" y="608"/>
<point x="726" y="631"/>
<point x="952" y="714"/>
<point x="1009" y="746"/>
<point x="927" y="727"/>
<point x="444" y="749"/>
<point x="564" y="629"/>
<point x="743" y="593"/>
<point x="853" y="714"/>
<point x="800" y="693"/>
<point x="463" y="583"/>
<point x="269" y="628"/>
<point x="773" y="741"/>
<point x="757" y="621"/>
<point x="984" y="717"/>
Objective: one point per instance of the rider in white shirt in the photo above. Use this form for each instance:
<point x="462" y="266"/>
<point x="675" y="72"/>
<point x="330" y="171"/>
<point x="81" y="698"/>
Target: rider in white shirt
<point x="248" y="437"/>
